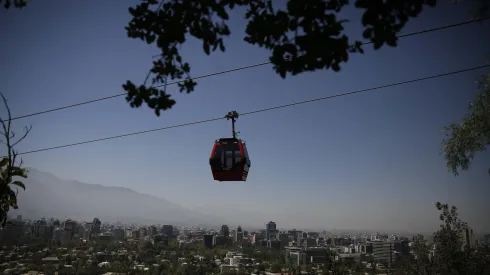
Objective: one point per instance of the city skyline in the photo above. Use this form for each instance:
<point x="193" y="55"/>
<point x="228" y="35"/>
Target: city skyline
<point x="96" y="247"/>
<point x="37" y="199"/>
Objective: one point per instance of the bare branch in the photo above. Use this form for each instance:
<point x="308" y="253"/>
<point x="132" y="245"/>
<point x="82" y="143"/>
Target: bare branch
<point x="9" y="113"/>
<point x="10" y="169"/>
<point x="6" y="131"/>
<point x="27" y="130"/>
<point x="14" y="156"/>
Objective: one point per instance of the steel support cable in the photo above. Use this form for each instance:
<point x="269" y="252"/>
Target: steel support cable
<point x="262" y="110"/>
<point x="235" y="70"/>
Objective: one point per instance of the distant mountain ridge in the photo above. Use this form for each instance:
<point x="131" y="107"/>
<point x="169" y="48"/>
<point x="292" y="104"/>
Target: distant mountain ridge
<point x="47" y="196"/>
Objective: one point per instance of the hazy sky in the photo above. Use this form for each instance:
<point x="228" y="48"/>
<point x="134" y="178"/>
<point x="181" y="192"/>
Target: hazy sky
<point x="365" y="161"/>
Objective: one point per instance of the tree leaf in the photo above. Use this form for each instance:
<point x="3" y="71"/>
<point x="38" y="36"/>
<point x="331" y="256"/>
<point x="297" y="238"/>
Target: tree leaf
<point x="205" y="46"/>
<point x="19" y="184"/>
<point x="4" y="162"/>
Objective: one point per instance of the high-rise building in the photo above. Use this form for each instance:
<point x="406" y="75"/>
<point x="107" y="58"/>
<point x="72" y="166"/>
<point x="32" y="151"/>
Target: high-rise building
<point x="143" y="233"/>
<point x="238" y="236"/>
<point x="384" y="251"/>
<point x="283" y="239"/>
<point x="469" y="238"/>
<point x="219" y="240"/>
<point x="168" y="230"/>
<point x="225" y="231"/>
<point x="57" y="235"/>
<point x="39" y="228"/>
<point x="152" y="230"/>
<point x="95" y="228"/>
<point x="118" y="234"/>
<point x="271" y="231"/>
<point x="69" y="230"/>
<point x="135" y="234"/>
<point x="294" y="234"/>
<point x="401" y="246"/>
<point x="208" y="240"/>
<point x="314" y="235"/>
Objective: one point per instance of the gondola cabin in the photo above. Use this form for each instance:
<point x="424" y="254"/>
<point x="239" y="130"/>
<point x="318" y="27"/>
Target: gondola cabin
<point x="229" y="160"/>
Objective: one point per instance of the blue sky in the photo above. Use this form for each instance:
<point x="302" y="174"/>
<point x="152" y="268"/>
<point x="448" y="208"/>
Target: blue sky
<point x="367" y="161"/>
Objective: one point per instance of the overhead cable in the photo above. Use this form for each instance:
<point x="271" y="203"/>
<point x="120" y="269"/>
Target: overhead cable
<point x="234" y="70"/>
<point x="261" y="110"/>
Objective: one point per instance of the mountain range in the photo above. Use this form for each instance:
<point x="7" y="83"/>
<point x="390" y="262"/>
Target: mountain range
<point x="49" y="196"/>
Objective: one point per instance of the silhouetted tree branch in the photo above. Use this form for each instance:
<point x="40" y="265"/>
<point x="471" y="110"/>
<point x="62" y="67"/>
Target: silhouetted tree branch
<point x="10" y="168"/>
<point x="305" y="36"/>
<point x="16" y="3"/>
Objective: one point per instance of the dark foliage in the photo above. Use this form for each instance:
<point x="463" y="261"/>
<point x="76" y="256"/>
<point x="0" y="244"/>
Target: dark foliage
<point x="305" y="36"/>
<point x="15" y="3"/>
<point x="451" y="253"/>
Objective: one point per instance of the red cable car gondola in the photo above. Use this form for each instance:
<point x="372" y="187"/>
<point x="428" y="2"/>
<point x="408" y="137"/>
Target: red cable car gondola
<point x="229" y="158"/>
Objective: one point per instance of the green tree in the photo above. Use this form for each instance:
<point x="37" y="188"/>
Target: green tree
<point x="449" y="255"/>
<point x="10" y="166"/>
<point x="305" y="36"/>
<point x="276" y="267"/>
<point x="472" y="135"/>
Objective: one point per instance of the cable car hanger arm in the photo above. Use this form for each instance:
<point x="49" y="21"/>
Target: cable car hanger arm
<point x="233" y="115"/>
